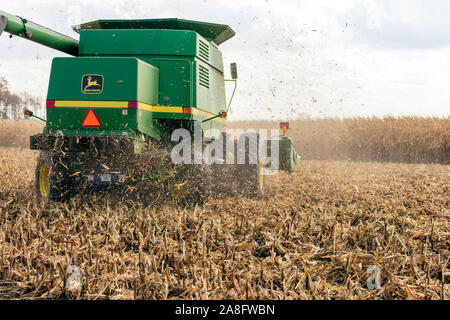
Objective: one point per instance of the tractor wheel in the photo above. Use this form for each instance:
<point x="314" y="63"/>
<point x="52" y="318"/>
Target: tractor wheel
<point x="52" y="178"/>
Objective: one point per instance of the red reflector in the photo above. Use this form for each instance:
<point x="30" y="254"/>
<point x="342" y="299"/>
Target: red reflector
<point x="50" y="103"/>
<point x="187" y="110"/>
<point x="91" y="120"/>
<point x="132" y="104"/>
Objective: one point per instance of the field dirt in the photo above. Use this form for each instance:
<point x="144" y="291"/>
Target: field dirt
<point x="313" y="237"/>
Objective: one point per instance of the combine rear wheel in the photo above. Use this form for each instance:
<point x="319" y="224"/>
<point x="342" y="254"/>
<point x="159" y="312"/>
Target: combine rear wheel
<point x="52" y="177"/>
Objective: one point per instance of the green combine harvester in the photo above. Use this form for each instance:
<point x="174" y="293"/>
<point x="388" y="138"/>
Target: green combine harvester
<point x="113" y="107"/>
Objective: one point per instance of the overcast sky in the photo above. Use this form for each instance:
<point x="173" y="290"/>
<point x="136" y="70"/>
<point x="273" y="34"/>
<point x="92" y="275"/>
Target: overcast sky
<point x="295" y="58"/>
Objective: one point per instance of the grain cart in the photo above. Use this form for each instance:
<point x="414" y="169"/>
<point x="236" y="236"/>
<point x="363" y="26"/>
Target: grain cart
<point x="112" y="108"/>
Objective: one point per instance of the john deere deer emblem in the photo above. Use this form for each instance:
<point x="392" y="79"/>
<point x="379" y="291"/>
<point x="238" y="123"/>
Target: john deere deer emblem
<point x="92" y="83"/>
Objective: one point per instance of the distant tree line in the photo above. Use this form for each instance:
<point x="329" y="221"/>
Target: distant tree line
<point x="12" y="105"/>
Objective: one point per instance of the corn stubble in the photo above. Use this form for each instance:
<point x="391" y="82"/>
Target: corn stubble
<point x="313" y="237"/>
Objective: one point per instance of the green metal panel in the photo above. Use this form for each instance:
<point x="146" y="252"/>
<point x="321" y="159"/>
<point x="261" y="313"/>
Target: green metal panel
<point x="175" y="81"/>
<point x="210" y="93"/>
<point x="147" y="124"/>
<point x="120" y="79"/>
<point x="149" y="42"/>
<point x="218" y="33"/>
<point x="210" y="88"/>
<point x="138" y="42"/>
<point x="147" y="83"/>
<point x="40" y="34"/>
<point x="209" y="53"/>
<point x="70" y="118"/>
<point x="179" y="82"/>
<point x="124" y="79"/>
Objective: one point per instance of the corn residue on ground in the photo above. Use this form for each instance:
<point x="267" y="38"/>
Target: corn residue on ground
<point x="313" y="237"/>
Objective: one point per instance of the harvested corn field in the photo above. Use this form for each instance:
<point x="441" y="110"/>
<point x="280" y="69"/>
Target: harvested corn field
<point x="313" y="237"/>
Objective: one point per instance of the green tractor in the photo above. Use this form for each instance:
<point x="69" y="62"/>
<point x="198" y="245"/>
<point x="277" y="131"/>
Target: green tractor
<point x="113" y="109"/>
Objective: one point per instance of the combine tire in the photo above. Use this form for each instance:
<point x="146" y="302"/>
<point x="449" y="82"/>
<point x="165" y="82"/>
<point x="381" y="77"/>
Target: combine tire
<point x="52" y="178"/>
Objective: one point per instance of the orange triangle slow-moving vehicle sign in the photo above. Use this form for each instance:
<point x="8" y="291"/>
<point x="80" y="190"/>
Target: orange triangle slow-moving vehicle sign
<point x="91" y="120"/>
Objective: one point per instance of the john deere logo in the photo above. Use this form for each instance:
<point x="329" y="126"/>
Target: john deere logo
<point x="92" y="83"/>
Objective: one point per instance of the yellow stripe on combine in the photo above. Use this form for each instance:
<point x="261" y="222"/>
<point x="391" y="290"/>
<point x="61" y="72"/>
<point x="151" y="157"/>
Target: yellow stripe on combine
<point x="164" y="109"/>
<point x="124" y="105"/>
<point x="92" y="104"/>
<point x="150" y="108"/>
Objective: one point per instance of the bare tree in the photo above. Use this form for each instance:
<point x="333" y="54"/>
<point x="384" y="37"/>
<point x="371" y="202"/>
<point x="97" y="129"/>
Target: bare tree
<point x="13" y="106"/>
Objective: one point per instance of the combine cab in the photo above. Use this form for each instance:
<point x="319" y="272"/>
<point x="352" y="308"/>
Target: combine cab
<point x="115" y="107"/>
